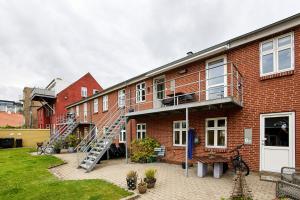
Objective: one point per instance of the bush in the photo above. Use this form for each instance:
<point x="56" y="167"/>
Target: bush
<point x="143" y="150"/>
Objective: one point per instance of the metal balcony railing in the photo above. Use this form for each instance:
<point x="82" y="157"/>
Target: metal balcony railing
<point x="42" y="92"/>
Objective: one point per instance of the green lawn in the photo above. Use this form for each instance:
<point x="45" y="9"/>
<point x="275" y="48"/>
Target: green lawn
<point x="23" y="176"/>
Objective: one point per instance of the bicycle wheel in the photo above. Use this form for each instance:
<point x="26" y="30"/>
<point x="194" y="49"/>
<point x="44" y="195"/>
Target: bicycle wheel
<point x="244" y="168"/>
<point x="39" y="150"/>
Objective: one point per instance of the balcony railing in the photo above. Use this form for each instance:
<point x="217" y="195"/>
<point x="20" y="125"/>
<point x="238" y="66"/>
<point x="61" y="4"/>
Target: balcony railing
<point x="40" y="92"/>
<point x="211" y="84"/>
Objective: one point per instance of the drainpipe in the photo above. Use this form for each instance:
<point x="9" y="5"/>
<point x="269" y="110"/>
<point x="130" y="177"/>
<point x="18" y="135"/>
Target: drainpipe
<point x="187" y="142"/>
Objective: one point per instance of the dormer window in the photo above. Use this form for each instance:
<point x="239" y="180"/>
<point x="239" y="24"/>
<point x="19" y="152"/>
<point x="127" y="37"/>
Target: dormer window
<point x="83" y="91"/>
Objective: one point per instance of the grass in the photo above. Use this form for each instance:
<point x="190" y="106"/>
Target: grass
<point x="25" y="177"/>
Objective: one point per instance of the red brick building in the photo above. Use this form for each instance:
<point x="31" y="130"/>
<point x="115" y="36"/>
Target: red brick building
<point x="78" y="90"/>
<point x="244" y="90"/>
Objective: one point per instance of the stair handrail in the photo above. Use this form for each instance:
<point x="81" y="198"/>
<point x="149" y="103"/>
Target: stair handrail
<point x="99" y="137"/>
<point x="103" y="119"/>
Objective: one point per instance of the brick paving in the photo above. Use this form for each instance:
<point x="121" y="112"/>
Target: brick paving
<point x="171" y="182"/>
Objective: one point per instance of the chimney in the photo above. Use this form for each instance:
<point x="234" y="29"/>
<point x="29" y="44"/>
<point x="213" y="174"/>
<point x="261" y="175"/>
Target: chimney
<point x="189" y="53"/>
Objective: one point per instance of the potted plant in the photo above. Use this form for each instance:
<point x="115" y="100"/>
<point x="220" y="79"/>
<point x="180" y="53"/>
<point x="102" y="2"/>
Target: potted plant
<point x="131" y="179"/>
<point x="142" y="187"/>
<point x="150" y="177"/>
<point x="57" y="146"/>
<point x="72" y="142"/>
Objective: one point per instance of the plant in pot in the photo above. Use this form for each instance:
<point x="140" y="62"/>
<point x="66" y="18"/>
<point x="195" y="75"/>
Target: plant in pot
<point x="131" y="179"/>
<point x="57" y="146"/>
<point x="72" y="142"/>
<point x="150" y="177"/>
<point x="142" y="187"/>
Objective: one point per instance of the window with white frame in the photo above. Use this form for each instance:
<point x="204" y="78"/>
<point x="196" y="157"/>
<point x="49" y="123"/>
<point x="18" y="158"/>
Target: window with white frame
<point x="121" y="98"/>
<point x="277" y="54"/>
<point x="141" y="131"/>
<point x="83" y="91"/>
<point x="216" y="132"/>
<point x="95" y="105"/>
<point x="95" y="91"/>
<point x="77" y="111"/>
<point x="122" y="136"/>
<point x="179" y="133"/>
<point x="141" y="92"/>
<point x="105" y="103"/>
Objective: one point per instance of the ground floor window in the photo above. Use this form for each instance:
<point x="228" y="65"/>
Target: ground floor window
<point x="122" y="136"/>
<point x="179" y="133"/>
<point x="216" y="132"/>
<point x="141" y="131"/>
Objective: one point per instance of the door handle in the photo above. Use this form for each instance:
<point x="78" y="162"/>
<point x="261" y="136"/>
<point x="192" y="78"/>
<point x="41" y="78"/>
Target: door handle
<point x="263" y="141"/>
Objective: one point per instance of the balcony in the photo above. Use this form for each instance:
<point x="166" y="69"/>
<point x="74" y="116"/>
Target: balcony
<point x="39" y="94"/>
<point x="220" y="85"/>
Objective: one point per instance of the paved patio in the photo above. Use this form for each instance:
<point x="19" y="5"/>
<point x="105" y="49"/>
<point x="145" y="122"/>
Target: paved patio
<point x="171" y="182"/>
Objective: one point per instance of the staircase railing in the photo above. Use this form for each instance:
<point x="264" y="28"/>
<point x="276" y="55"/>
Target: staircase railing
<point x="102" y="123"/>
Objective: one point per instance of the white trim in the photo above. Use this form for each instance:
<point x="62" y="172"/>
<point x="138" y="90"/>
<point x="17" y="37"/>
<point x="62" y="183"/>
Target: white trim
<point x="292" y="143"/>
<point x="121" y="98"/>
<point x="122" y="135"/>
<point x="77" y="111"/>
<point x="155" y="89"/>
<point x="180" y="129"/>
<point x="224" y="57"/>
<point x="105" y="103"/>
<point x="141" y="130"/>
<point x="84" y="92"/>
<point x="275" y="51"/>
<point x="96" y="105"/>
<point x="85" y="112"/>
<point x="215" y="129"/>
<point x="138" y="92"/>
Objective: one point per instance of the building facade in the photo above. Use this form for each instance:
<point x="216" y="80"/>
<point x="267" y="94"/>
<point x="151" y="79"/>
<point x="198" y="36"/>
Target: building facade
<point x="242" y="91"/>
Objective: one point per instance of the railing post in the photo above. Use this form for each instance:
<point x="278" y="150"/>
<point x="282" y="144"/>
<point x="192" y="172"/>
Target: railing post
<point x="199" y="79"/>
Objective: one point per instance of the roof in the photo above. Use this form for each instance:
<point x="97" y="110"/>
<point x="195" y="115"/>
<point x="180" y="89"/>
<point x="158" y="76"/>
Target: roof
<point x="11" y="102"/>
<point x="265" y="31"/>
<point x="13" y="119"/>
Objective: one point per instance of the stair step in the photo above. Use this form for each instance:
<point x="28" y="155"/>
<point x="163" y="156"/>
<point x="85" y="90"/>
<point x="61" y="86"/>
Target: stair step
<point x="85" y="166"/>
<point x="98" y="148"/>
<point x="89" y="161"/>
<point x="92" y="157"/>
<point x="95" y="152"/>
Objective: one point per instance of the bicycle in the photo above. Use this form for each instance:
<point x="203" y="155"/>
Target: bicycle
<point x="41" y="149"/>
<point x="237" y="161"/>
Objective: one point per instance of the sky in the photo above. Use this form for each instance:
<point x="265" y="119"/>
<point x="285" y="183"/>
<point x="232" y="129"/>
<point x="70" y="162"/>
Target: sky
<point x="115" y="39"/>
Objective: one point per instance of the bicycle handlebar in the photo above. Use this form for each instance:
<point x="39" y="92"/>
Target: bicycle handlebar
<point x="236" y="148"/>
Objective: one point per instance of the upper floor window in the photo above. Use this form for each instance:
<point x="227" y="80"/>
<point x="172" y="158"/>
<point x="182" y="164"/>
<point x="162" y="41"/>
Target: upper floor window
<point x="179" y="133"/>
<point x="77" y="111"/>
<point x="121" y="98"/>
<point x="105" y="103"/>
<point x="83" y="91"/>
<point x="141" y="131"/>
<point x="95" y="105"/>
<point x="216" y="132"/>
<point x="95" y="91"/>
<point x="277" y="55"/>
<point x="141" y="92"/>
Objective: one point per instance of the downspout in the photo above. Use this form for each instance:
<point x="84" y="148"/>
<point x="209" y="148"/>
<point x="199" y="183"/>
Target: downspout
<point x="187" y="142"/>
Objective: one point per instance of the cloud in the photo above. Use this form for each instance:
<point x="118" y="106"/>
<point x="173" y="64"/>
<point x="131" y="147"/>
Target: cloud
<point x="115" y="40"/>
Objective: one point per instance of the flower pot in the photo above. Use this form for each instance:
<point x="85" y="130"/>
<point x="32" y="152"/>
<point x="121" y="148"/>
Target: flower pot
<point x="142" y="188"/>
<point x="150" y="182"/>
<point x="71" y="149"/>
<point x="131" y="183"/>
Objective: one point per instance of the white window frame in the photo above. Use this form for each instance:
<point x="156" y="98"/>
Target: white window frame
<point x="83" y="91"/>
<point x="96" y="106"/>
<point x="77" y="111"/>
<point x="105" y="103"/>
<point x="121" y="98"/>
<point x="140" y="131"/>
<point x="139" y="92"/>
<point x="224" y="57"/>
<point x="180" y="129"/>
<point x="215" y="129"/>
<point x="95" y="91"/>
<point x="85" y="112"/>
<point x="122" y="136"/>
<point x="275" y="52"/>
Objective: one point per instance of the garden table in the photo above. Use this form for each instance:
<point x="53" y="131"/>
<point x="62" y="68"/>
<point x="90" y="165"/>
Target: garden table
<point x="217" y="162"/>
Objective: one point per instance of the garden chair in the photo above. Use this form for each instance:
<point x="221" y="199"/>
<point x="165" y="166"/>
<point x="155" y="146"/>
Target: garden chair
<point x="159" y="152"/>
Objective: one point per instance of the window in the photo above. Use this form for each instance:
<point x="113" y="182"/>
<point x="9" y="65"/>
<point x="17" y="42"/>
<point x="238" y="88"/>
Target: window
<point x="141" y="131"/>
<point x="83" y="91"/>
<point x="77" y="111"/>
<point x="85" y="112"/>
<point x="277" y="55"/>
<point x="121" y="98"/>
<point x="95" y="91"/>
<point x="105" y="103"/>
<point x="216" y="132"/>
<point x="179" y="133"/>
<point x="95" y="105"/>
<point x="141" y="92"/>
<point x="122" y="136"/>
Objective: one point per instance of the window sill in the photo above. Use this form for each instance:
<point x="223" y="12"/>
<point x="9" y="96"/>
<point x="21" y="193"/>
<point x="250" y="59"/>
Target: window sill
<point x="277" y="75"/>
<point x="104" y="111"/>
<point x="216" y="149"/>
<point x="95" y="113"/>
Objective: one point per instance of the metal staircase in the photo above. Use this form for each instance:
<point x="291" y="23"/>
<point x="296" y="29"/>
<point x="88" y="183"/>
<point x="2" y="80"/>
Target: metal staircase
<point x="97" y="147"/>
<point x="66" y="126"/>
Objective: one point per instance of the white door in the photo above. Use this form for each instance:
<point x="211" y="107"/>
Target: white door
<point x="158" y="91"/>
<point x="216" y="78"/>
<point x="85" y="112"/>
<point x="277" y="141"/>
